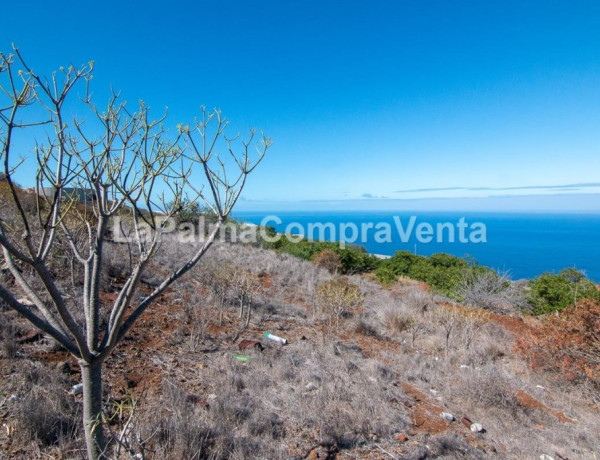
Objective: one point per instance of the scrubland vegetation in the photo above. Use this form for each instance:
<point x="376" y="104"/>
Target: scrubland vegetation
<point x="459" y="279"/>
<point x="367" y="371"/>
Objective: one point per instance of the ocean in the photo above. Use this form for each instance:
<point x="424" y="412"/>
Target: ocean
<point x="524" y="245"/>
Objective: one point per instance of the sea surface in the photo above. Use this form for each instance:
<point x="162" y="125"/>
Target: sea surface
<point x="524" y="245"/>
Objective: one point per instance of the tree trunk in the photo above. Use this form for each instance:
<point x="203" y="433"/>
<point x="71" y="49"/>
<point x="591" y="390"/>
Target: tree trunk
<point x="91" y="374"/>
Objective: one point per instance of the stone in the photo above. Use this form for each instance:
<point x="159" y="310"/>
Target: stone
<point x="447" y="416"/>
<point x="77" y="389"/>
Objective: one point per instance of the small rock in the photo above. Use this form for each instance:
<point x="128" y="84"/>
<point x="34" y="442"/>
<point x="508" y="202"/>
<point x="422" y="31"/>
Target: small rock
<point x="401" y="437"/>
<point x="310" y="386"/>
<point x="543" y="389"/>
<point x="13" y="398"/>
<point x="447" y="416"/>
<point x="77" y="389"/>
<point x="476" y="427"/>
<point x="433" y="392"/>
<point x="464" y="366"/>
<point x="546" y="457"/>
<point x="211" y="396"/>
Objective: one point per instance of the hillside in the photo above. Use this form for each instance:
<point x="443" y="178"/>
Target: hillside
<point x="367" y="379"/>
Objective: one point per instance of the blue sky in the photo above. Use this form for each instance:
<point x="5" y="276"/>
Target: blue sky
<point x="385" y="104"/>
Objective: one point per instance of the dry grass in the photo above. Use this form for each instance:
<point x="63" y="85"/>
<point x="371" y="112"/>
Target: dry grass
<point x="316" y="395"/>
<point x="341" y="390"/>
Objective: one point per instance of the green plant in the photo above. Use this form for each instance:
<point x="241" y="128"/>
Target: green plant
<point x="353" y="259"/>
<point x="554" y="292"/>
<point x="443" y="272"/>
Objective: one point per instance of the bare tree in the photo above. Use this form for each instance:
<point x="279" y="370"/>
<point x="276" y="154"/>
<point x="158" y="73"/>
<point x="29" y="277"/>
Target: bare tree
<point x="116" y="163"/>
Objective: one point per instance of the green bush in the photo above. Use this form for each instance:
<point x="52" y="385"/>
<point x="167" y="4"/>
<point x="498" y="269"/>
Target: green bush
<point x="554" y="292"/>
<point x="443" y="272"/>
<point x="353" y="259"/>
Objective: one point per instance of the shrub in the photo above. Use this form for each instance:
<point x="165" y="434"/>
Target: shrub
<point x="353" y="259"/>
<point x="386" y="275"/>
<point x="8" y="339"/>
<point x="47" y="413"/>
<point x="569" y="343"/>
<point x="442" y="272"/>
<point x="551" y="292"/>
<point x="491" y="290"/>
<point x="338" y="297"/>
<point x="329" y="260"/>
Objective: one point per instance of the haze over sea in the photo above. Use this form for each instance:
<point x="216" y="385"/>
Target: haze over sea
<point x="524" y="244"/>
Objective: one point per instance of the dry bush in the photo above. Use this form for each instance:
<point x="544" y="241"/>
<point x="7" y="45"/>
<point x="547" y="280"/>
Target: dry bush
<point x="452" y="447"/>
<point x="568" y="342"/>
<point x="244" y="285"/>
<point x="117" y="263"/>
<point x="470" y="322"/>
<point x="329" y="260"/>
<point x="492" y="291"/>
<point x="172" y="428"/>
<point x="197" y="314"/>
<point x="488" y="390"/>
<point x="336" y="298"/>
<point x="364" y="328"/>
<point x="449" y="319"/>
<point x="334" y="391"/>
<point x="417" y="300"/>
<point x="46" y="412"/>
<point x="398" y="318"/>
<point x="218" y="277"/>
<point x="8" y="339"/>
